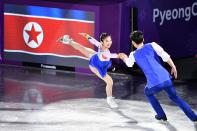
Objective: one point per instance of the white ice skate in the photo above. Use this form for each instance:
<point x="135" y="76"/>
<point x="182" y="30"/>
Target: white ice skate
<point x="65" y="39"/>
<point x="111" y="102"/>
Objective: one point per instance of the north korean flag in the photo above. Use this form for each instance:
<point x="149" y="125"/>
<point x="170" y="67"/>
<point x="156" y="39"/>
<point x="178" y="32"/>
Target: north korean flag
<point x="31" y="33"/>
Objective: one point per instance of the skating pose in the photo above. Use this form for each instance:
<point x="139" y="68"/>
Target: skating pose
<point x="158" y="78"/>
<point x="99" y="61"/>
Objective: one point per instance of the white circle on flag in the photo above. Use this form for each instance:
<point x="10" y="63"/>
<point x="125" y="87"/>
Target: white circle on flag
<point x="36" y="32"/>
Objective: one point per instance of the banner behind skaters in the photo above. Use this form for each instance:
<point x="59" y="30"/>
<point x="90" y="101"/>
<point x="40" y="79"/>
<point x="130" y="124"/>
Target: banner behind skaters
<point x="30" y="35"/>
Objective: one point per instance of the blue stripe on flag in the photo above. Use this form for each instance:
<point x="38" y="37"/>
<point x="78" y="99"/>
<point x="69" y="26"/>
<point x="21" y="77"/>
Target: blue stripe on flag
<point x="49" y="12"/>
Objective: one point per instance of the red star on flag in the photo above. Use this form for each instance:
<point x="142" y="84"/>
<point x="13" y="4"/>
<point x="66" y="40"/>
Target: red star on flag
<point x="33" y="34"/>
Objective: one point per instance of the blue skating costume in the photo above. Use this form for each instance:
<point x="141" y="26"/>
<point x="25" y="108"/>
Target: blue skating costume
<point x="158" y="78"/>
<point x="101" y="60"/>
<point x="101" y="66"/>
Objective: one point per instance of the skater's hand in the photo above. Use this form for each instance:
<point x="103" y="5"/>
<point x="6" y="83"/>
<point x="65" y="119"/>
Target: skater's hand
<point x="84" y="35"/>
<point x="174" y="72"/>
<point x="122" y="56"/>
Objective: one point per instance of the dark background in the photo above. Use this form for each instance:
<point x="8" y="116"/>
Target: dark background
<point x="178" y="37"/>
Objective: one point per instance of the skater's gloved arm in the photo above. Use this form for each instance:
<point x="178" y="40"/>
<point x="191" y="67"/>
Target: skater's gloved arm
<point x="113" y="55"/>
<point x="91" y="39"/>
<point x="107" y="54"/>
<point x="129" y="61"/>
<point x="173" y="68"/>
<point x="94" y="41"/>
<point x="160" y="51"/>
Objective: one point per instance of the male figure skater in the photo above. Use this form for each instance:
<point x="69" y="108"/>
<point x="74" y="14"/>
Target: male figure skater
<point x="158" y="78"/>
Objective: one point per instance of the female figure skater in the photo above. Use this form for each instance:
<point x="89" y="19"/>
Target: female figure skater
<point x="99" y="61"/>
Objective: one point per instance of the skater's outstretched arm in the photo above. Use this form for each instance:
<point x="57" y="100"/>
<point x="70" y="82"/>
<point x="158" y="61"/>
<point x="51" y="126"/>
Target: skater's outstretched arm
<point x="114" y="55"/>
<point x="165" y="57"/>
<point x="129" y="61"/>
<point x="98" y="44"/>
<point x="91" y="39"/>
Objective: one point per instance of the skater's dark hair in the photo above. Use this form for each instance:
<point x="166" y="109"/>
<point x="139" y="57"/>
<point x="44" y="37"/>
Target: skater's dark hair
<point x="103" y="36"/>
<point x="137" y="37"/>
